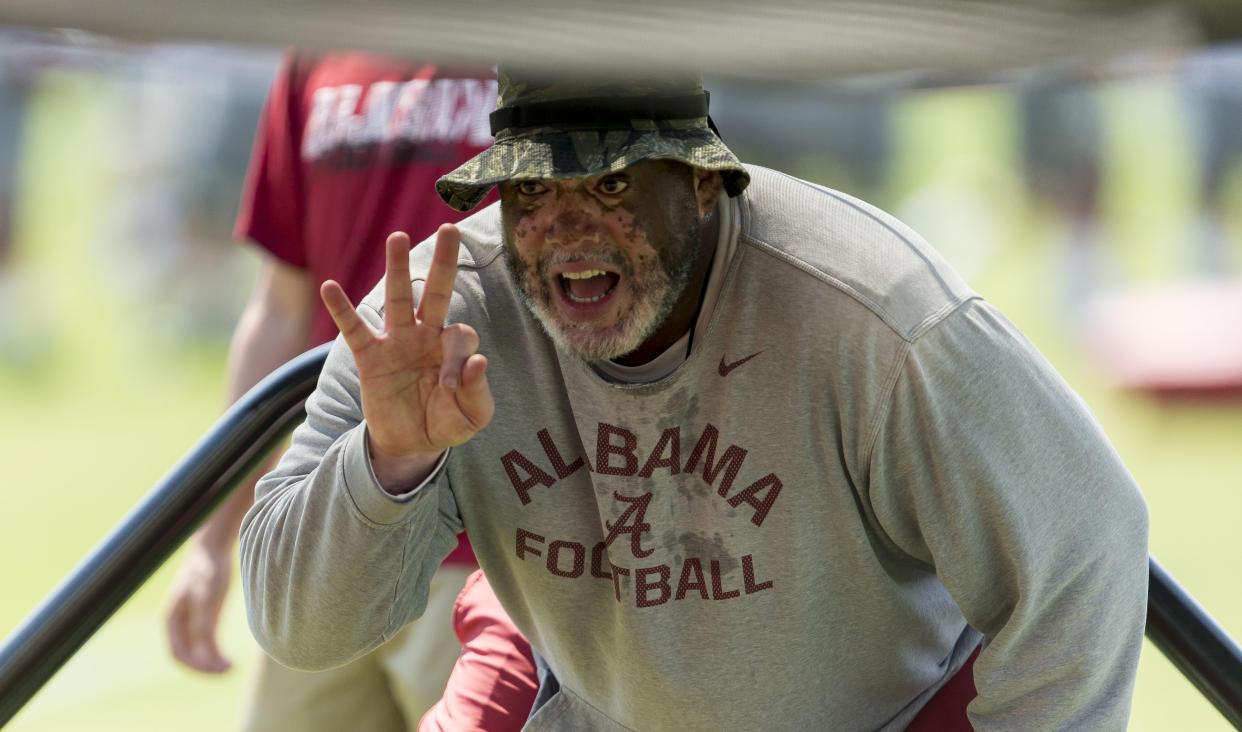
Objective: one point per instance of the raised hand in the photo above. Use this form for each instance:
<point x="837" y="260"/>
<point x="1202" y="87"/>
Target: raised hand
<point x="423" y="385"/>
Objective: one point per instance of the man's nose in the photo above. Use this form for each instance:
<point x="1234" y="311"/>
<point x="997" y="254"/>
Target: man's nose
<point x="574" y="224"/>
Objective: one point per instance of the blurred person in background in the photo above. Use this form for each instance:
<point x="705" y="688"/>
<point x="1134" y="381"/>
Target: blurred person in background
<point x="19" y="65"/>
<point x="183" y="117"/>
<point x="1062" y="159"/>
<point x="348" y="149"/>
<point x="1211" y="82"/>
<point x="26" y="54"/>
<point x="1176" y="333"/>
<point x="836" y="134"/>
<point x="12" y="106"/>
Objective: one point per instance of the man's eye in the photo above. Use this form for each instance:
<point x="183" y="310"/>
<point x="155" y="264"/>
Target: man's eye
<point x="530" y="187"/>
<point x="613" y="186"/>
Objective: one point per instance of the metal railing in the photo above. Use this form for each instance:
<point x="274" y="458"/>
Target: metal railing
<point x="257" y="423"/>
<point x="71" y="613"/>
<point x="1195" y="643"/>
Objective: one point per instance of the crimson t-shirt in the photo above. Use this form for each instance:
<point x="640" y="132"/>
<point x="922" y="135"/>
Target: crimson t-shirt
<point x="348" y="150"/>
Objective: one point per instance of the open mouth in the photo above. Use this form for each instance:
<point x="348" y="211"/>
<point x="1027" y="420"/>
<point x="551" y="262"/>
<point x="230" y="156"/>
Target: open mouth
<point x="588" y="286"/>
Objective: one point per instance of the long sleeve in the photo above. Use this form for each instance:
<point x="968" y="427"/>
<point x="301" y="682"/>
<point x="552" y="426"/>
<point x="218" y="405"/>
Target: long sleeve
<point x="332" y="566"/>
<point x="988" y="469"/>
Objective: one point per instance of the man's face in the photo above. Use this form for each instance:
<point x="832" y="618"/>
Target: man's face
<point x="603" y="261"/>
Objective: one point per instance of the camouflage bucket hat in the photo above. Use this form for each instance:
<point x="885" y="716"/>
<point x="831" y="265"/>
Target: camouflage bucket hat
<point x="575" y="128"/>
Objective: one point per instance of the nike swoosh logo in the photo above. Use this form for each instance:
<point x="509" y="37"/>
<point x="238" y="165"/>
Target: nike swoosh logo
<point x="725" y="368"/>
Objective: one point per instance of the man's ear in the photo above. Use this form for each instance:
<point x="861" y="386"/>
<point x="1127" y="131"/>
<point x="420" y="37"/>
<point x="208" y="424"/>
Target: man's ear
<point x="707" y="185"/>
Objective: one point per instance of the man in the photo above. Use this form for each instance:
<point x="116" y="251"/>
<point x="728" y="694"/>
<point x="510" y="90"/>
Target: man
<point x="348" y="148"/>
<point x="735" y="451"/>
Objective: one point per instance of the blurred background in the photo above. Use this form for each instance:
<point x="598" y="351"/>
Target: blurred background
<point x="1098" y="203"/>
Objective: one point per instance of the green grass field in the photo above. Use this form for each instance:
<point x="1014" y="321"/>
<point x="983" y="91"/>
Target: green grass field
<point x="92" y="424"/>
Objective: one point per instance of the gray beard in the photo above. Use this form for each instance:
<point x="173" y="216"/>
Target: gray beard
<point x="536" y="295"/>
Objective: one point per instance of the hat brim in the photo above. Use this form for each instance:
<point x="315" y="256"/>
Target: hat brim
<point x="563" y="154"/>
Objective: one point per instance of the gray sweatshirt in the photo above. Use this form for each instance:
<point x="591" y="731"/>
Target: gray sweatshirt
<point x="861" y="471"/>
